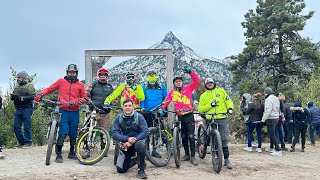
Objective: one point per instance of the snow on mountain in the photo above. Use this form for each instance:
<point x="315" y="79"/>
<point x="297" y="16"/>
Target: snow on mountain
<point x="183" y="56"/>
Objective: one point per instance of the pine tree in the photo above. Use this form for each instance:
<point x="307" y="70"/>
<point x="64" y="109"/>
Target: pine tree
<point x="276" y="54"/>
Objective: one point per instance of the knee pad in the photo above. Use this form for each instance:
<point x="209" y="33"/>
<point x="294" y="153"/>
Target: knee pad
<point x="60" y="140"/>
<point x="73" y="141"/>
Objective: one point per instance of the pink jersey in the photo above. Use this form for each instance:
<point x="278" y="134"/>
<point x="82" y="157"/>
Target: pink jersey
<point x="182" y="100"/>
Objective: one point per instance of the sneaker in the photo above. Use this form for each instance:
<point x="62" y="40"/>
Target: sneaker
<point x="312" y="144"/>
<point x="227" y="163"/>
<point x="72" y="155"/>
<point x="249" y="149"/>
<point x="186" y="158"/>
<point x="284" y="149"/>
<point x="276" y="153"/>
<point x="292" y="149"/>
<point x="26" y="146"/>
<point x="18" y="145"/>
<point x="259" y="150"/>
<point x="254" y="144"/>
<point x="302" y="150"/>
<point x="2" y="155"/>
<point x="156" y="154"/>
<point x="194" y="161"/>
<point x="59" y="158"/>
<point x="269" y="150"/>
<point x="142" y="174"/>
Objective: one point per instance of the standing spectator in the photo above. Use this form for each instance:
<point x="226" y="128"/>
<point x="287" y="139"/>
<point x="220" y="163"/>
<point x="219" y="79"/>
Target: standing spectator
<point x="271" y="117"/>
<point x="22" y="96"/>
<point x="282" y="120"/>
<point x="181" y="96"/>
<point x="314" y="121"/>
<point x="131" y="129"/>
<point x="288" y="124"/>
<point x="1" y="153"/>
<point x="154" y="93"/>
<point x="70" y="90"/>
<point x="244" y="104"/>
<point x="216" y="100"/>
<point x="255" y="112"/>
<point x="300" y="118"/>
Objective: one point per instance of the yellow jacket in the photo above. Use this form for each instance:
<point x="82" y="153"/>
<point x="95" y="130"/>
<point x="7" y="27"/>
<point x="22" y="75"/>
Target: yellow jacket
<point x="222" y="99"/>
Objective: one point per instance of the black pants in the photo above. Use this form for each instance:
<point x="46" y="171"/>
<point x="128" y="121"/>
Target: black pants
<point x="187" y="133"/>
<point x="271" y="128"/>
<point x="297" y="131"/>
<point x="140" y="148"/>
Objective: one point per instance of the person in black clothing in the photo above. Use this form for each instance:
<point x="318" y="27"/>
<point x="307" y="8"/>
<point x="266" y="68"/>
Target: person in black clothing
<point x="130" y="129"/>
<point x="255" y="111"/>
<point x="300" y="118"/>
<point x="22" y="96"/>
<point x="282" y="119"/>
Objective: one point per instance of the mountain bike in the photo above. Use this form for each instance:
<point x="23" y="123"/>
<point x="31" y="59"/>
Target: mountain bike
<point x="53" y="126"/>
<point x="93" y="142"/>
<point x="160" y="140"/>
<point x="209" y="135"/>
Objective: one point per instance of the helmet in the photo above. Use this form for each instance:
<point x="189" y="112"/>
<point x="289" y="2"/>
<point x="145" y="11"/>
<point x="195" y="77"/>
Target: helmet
<point x="72" y="67"/>
<point x="176" y="78"/>
<point x="24" y="77"/>
<point x="130" y="78"/>
<point x="152" y="72"/>
<point x="209" y="80"/>
<point x="101" y="71"/>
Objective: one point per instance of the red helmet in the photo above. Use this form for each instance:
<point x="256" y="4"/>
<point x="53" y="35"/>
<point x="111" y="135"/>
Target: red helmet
<point x="102" y="75"/>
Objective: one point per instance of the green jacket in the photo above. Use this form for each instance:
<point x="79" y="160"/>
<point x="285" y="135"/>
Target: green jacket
<point x="127" y="92"/>
<point x="223" y="103"/>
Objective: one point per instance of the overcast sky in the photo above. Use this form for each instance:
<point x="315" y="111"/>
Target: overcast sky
<point x="43" y="37"/>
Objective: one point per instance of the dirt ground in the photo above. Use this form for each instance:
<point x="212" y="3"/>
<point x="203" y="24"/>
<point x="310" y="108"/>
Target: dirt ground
<point x="30" y="164"/>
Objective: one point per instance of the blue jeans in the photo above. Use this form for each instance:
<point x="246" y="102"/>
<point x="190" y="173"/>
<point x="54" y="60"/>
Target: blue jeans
<point x="23" y="116"/>
<point x="69" y="123"/>
<point x="313" y="128"/>
<point x="279" y="133"/>
<point x="290" y="128"/>
<point x="258" y="128"/>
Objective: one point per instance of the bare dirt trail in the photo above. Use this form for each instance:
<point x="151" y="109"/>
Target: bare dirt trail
<point x="29" y="164"/>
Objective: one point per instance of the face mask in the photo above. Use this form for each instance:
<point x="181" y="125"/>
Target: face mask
<point x="152" y="79"/>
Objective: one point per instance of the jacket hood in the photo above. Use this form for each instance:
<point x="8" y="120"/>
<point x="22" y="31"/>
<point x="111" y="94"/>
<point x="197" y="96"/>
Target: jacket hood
<point x="247" y="97"/>
<point x="297" y="104"/>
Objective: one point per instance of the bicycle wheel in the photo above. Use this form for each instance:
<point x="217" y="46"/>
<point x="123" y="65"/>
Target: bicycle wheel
<point x="92" y="146"/>
<point x="176" y="147"/>
<point x="116" y="152"/>
<point x="201" y="141"/>
<point x="51" y="139"/>
<point x="158" y="148"/>
<point x="216" y="151"/>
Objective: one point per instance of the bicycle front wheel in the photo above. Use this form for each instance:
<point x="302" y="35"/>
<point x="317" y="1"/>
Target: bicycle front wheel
<point x="92" y="146"/>
<point x="201" y="141"/>
<point x="176" y="147"/>
<point x="158" y="148"/>
<point x="51" y="138"/>
<point x="216" y="151"/>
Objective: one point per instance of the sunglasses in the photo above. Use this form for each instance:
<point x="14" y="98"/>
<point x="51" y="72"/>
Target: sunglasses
<point x="130" y="77"/>
<point x="103" y="75"/>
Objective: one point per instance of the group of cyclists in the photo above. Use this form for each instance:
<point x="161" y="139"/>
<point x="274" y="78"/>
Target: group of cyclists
<point x="130" y="128"/>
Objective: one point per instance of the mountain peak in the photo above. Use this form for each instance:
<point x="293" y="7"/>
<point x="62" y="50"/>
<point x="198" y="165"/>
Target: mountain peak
<point x="171" y="38"/>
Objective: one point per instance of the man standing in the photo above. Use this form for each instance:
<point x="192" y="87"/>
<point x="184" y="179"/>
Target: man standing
<point x="131" y="129"/>
<point x="314" y="121"/>
<point x="22" y="96"/>
<point x="271" y="117"/>
<point x="216" y="100"/>
<point x="154" y="93"/>
<point x="181" y="96"/>
<point x="70" y="90"/>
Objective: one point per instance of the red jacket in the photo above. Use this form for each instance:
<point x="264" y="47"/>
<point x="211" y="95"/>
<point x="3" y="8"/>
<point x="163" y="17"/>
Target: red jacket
<point x="67" y="92"/>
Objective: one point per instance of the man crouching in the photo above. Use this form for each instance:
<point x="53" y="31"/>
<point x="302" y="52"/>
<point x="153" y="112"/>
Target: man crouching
<point x="130" y="130"/>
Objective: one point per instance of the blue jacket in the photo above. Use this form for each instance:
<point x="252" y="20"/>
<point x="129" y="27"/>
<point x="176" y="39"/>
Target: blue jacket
<point x="128" y="128"/>
<point x="314" y="115"/>
<point x="154" y="95"/>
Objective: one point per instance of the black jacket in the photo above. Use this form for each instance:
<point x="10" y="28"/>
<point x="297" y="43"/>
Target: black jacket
<point x="23" y="96"/>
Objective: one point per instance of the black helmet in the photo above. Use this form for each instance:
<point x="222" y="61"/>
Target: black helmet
<point x="176" y="78"/>
<point x="72" y="67"/>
